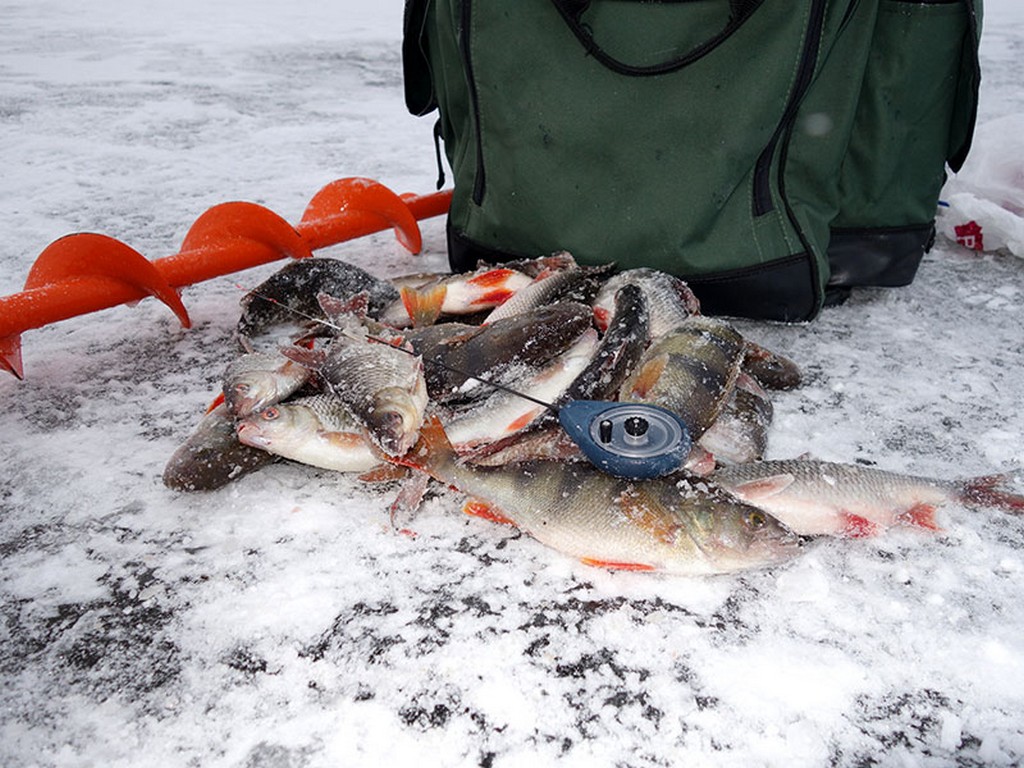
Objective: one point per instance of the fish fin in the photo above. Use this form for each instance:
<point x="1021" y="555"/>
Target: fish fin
<point x="920" y="515"/>
<point x="492" y="278"/>
<point x="481" y="509"/>
<point x="384" y="473"/>
<point x="337" y="309"/>
<point x="431" y="450"/>
<point x="493" y="298"/>
<point x="648" y="376"/>
<point x="217" y="401"/>
<point x="616" y="565"/>
<point x="764" y="487"/>
<point x="424" y="304"/>
<point x="312" y="359"/>
<point x="641" y="512"/>
<point x="858" y="527"/>
<point x="409" y="498"/>
<point x="523" y="421"/>
<point x="985" y="492"/>
<point x="345" y="441"/>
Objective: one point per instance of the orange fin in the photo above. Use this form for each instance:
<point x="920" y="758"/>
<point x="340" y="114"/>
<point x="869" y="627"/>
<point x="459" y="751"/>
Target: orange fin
<point x="424" y="304"/>
<point x="383" y="473"/>
<point x="483" y="510"/>
<point x="409" y="498"/>
<point x="431" y="450"/>
<point x="492" y="277"/>
<point x="920" y="515"/>
<point x="858" y="527"/>
<point x="215" y="403"/>
<point x="493" y="298"/>
<point x="617" y="566"/>
<point x="648" y="376"/>
<point x="523" y="420"/>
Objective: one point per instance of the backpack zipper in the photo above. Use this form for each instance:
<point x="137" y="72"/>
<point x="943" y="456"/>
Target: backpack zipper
<point x="805" y="72"/>
<point x="474" y="100"/>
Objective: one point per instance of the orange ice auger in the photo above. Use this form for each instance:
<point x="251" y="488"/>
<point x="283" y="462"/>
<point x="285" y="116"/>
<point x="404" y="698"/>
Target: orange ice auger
<point x="86" y="272"/>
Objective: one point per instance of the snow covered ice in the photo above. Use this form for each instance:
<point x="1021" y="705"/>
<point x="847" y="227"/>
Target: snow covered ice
<point x="280" y="622"/>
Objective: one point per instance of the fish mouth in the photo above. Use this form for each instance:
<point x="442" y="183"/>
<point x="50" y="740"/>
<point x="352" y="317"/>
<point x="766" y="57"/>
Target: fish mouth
<point x="249" y="434"/>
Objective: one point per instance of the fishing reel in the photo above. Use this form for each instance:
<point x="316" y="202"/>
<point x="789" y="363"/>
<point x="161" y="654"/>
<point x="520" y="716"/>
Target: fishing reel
<point x="634" y="440"/>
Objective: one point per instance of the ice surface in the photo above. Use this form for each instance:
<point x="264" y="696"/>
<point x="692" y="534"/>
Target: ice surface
<point x="279" y="622"/>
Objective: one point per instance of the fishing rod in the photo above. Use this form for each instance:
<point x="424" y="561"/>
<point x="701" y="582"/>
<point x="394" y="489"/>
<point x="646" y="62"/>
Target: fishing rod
<point x="632" y="440"/>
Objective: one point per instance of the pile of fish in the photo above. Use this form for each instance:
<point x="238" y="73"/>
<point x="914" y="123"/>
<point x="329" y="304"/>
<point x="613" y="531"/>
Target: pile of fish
<point x="460" y="377"/>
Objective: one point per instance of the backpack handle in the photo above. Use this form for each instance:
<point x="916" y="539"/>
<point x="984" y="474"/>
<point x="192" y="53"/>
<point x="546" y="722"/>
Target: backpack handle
<point x="572" y="12"/>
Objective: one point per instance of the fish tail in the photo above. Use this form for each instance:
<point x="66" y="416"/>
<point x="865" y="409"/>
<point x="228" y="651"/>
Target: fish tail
<point x="431" y="452"/>
<point x="424" y="304"/>
<point x="986" y="492"/>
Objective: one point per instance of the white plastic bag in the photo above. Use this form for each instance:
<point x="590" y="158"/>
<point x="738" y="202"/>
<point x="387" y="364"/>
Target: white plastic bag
<point x="982" y="206"/>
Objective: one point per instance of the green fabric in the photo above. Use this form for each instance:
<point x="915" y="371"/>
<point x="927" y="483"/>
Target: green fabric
<point x="740" y="158"/>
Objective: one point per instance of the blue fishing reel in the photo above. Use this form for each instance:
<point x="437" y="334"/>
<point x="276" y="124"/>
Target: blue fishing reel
<point x="634" y="440"/>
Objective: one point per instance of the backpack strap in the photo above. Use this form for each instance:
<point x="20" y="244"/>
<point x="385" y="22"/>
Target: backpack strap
<point x="572" y="12"/>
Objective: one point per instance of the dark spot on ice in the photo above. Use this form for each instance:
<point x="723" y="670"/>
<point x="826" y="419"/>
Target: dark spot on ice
<point x="245" y="661"/>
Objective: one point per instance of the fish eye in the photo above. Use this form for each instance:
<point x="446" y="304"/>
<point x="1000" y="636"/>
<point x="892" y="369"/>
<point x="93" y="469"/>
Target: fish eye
<point x="242" y="388"/>
<point x="269" y="414"/>
<point x="757" y="520"/>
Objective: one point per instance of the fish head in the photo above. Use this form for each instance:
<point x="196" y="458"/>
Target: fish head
<point x="250" y="392"/>
<point x="395" y="419"/>
<point x="741" y="536"/>
<point x="268" y="427"/>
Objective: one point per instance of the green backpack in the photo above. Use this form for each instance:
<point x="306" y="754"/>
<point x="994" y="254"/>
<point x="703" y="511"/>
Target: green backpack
<point x="773" y="153"/>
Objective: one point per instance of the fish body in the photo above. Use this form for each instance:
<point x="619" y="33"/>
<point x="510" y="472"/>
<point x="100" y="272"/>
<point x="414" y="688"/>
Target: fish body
<point x="674" y="524"/>
<point x="574" y="283"/>
<point x="504" y="413"/>
<point x="834" y="499"/>
<point x="212" y="457"/>
<point x="319" y="430"/>
<point x="383" y="385"/>
<point x="740" y="433"/>
<point x="498" y="351"/>
<point x="691" y="372"/>
<point x="422" y="303"/>
<point x="257" y="380"/>
<point x="669" y="299"/>
<point x="290" y="294"/>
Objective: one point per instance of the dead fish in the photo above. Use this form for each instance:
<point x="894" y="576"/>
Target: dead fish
<point x="259" y="379"/>
<point x="382" y="384"/>
<point x="212" y="456"/>
<point x="771" y="369"/>
<point x="691" y="371"/>
<point x="674" y="524"/>
<point x="618" y="352"/>
<point x="290" y="294"/>
<point x="573" y="284"/>
<point x="496" y="352"/>
<point x="740" y="433"/>
<point x="833" y="499"/>
<point x="452" y="294"/>
<point x="504" y="413"/>
<point x="318" y="430"/>
<point x="669" y="299"/>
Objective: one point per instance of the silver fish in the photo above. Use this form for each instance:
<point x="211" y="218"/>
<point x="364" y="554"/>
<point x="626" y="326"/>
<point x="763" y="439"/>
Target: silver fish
<point x="383" y="385"/>
<point x="669" y="299"/>
<point x="834" y="499"/>
<point x="259" y="379"/>
<point x="740" y="433"/>
<point x="319" y="430"/>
